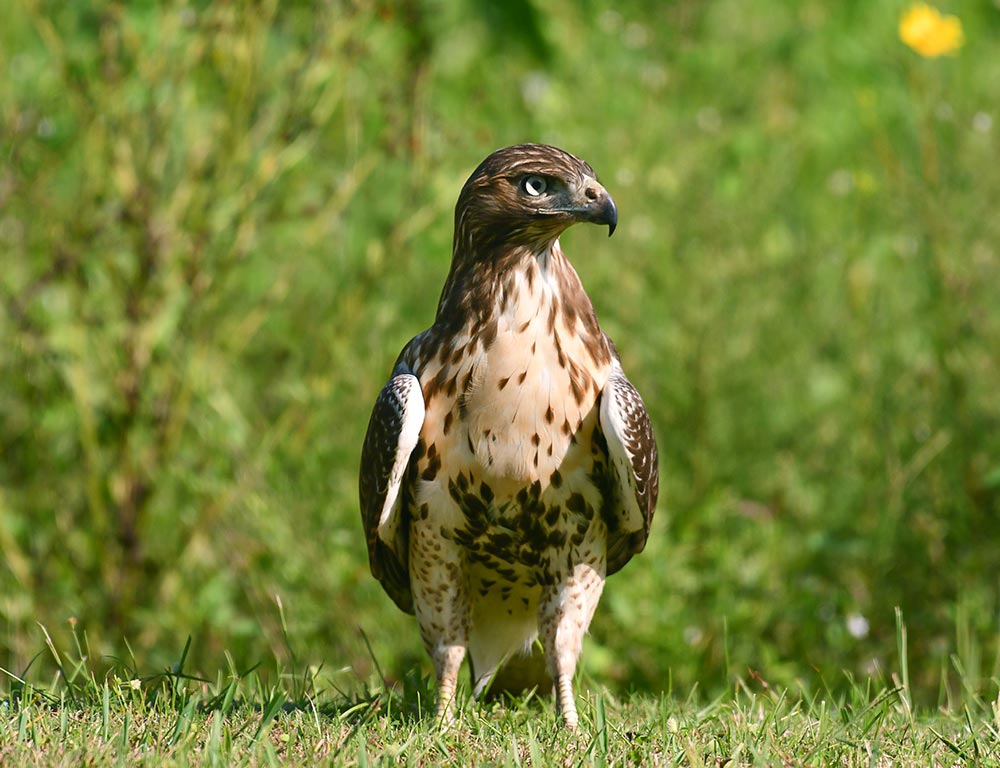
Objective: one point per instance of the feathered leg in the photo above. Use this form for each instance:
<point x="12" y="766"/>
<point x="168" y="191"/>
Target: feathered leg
<point x="565" y="613"/>
<point x="439" y="595"/>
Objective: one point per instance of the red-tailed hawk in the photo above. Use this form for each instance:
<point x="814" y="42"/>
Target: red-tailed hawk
<point x="509" y="464"/>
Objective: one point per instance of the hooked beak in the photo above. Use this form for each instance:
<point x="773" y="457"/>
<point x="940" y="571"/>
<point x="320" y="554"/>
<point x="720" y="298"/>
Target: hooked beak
<point x="595" y="205"/>
<point x="607" y="213"/>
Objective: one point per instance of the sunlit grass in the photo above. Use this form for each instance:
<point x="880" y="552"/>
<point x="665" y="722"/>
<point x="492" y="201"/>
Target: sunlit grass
<point x="245" y="721"/>
<point x="219" y="224"/>
<point x="272" y="715"/>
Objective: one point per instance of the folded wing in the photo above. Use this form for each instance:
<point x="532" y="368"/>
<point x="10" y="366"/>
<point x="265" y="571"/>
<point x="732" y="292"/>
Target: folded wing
<point x="393" y="432"/>
<point x="634" y="469"/>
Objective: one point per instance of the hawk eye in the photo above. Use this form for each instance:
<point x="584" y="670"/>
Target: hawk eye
<point x="533" y="185"/>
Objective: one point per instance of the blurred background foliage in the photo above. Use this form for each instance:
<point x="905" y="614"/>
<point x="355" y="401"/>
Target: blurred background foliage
<point x="219" y="222"/>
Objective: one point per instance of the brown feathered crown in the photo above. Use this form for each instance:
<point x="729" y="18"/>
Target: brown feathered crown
<point x="527" y="195"/>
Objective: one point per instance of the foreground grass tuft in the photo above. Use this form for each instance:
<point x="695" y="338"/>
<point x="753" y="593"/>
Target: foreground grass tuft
<point x="271" y="716"/>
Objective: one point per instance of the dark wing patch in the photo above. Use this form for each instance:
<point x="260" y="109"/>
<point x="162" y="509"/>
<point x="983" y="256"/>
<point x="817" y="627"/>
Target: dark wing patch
<point x="633" y="465"/>
<point x="393" y="432"/>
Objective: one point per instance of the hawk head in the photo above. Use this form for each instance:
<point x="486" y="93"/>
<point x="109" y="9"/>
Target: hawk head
<point x="527" y="195"/>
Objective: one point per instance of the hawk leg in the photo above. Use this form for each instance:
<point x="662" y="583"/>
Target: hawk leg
<point x="565" y="613"/>
<point x="447" y="663"/>
<point x="442" y="610"/>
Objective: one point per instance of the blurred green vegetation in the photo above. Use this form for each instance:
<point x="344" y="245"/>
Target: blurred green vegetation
<point x="219" y="222"/>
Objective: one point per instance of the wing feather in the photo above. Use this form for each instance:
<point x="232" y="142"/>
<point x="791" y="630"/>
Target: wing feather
<point x="634" y="468"/>
<point x="393" y="432"/>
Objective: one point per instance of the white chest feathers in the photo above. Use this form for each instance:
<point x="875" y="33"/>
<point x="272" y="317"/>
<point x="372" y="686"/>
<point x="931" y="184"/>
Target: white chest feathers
<point x="532" y="388"/>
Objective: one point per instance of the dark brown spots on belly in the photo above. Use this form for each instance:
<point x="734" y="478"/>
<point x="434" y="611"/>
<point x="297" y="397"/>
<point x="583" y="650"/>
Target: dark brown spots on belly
<point x="549" y="414"/>
<point x="501" y="541"/>
<point x="598" y="443"/>
<point x="486" y="492"/>
<point x="432" y="468"/>
<point x="577" y="504"/>
<point x="556" y="478"/>
<point x="503" y="383"/>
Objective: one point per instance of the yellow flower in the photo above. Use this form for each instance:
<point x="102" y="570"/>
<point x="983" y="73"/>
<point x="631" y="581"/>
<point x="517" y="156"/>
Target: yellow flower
<point x="929" y="33"/>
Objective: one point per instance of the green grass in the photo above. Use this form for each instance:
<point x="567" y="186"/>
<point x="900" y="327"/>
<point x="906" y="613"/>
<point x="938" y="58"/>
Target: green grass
<point x="219" y="223"/>
<point x="241" y="720"/>
<point x="278" y="715"/>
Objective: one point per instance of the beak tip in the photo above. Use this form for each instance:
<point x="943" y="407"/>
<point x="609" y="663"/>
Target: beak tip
<point x="611" y="216"/>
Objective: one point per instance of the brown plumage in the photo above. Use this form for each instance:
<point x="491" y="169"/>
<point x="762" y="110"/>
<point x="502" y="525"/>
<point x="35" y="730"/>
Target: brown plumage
<point x="509" y="464"/>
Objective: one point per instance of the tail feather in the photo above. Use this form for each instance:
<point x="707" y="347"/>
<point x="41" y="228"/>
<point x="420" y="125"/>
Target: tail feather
<point x="517" y="674"/>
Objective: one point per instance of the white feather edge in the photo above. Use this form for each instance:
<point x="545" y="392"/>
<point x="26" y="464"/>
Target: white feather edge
<point x="612" y="425"/>
<point x="412" y="402"/>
